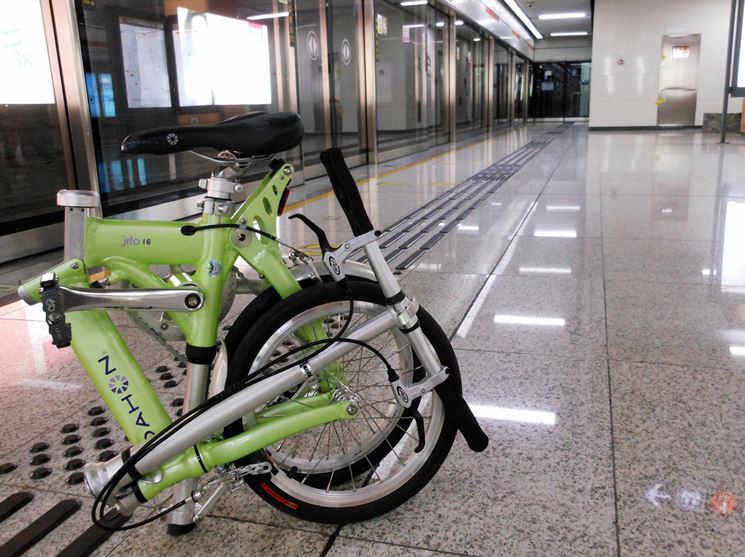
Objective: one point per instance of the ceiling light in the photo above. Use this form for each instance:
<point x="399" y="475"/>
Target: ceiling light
<point x="459" y="22"/>
<point x="477" y="39"/>
<point x="513" y="414"/>
<point x="524" y="18"/>
<point x="570" y="34"/>
<point x="413" y="26"/>
<point x="414" y="2"/>
<point x="440" y="24"/>
<point x="528" y="320"/>
<point x="737" y="350"/>
<point x="564" y="15"/>
<point x="267" y="16"/>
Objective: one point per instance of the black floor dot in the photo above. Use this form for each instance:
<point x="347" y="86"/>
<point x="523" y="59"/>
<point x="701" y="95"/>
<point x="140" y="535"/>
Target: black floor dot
<point x="41" y="458"/>
<point x="166" y="376"/>
<point x="73" y="451"/>
<point x="71" y="439"/>
<point x="38" y="447"/>
<point x="69" y="428"/>
<point x="161" y="369"/>
<point x="182" y="365"/>
<point x="179" y="412"/>
<point x="101" y="432"/>
<point x="104" y="443"/>
<point x="74" y="464"/>
<point x="41" y="472"/>
<point x="100" y="420"/>
<point x="106" y="455"/>
<point x="177" y="402"/>
<point x="96" y="411"/>
<point x="170" y="384"/>
<point x="7" y="467"/>
<point x="75" y="478"/>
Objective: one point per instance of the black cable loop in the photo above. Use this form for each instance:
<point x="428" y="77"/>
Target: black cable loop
<point x="98" y="509"/>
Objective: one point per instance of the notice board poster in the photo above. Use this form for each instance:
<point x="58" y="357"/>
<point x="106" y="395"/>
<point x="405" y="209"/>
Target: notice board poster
<point x="145" y="66"/>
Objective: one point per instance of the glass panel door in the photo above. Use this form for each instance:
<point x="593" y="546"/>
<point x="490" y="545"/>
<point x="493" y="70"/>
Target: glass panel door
<point x="330" y="80"/>
<point x="519" y="91"/>
<point x="470" y="80"/>
<point x="404" y="51"/>
<point x="33" y="161"/>
<point x="159" y="64"/>
<point x="442" y="134"/>
<point x="501" y="85"/>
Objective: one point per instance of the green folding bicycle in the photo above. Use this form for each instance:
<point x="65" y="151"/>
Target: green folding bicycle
<point x="334" y="396"/>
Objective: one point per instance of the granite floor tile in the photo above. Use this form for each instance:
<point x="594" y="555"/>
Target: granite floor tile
<point x="224" y="537"/>
<point x="678" y="261"/>
<point x="551" y="257"/>
<point x="664" y="217"/>
<point x="538" y="315"/>
<point x="685" y="324"/>
<point x="678" y="437"/>
<point x="542" y="487"/>
<point x="344" y="547"/>
<point x="564" y="216"/>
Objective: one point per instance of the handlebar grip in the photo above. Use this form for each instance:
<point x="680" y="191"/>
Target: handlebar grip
<point x="346" y="191"/>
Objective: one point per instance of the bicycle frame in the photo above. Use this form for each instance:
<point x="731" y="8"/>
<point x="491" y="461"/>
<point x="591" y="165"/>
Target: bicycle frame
<point x="127" y="249"/>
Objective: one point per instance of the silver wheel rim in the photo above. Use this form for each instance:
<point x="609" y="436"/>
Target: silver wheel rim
<point x="399" y="465"/>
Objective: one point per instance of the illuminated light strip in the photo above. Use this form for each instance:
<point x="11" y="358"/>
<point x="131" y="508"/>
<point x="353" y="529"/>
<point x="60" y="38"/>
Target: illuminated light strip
<point x="413" y="3"/>
<point x="528" y="320"/>
<point x="570" y="34"/>
<point x="267" y="16"/>
<point x="551" y="270"/>
<point x="563" y="15"/>
<point x="513" y="414"/>
<point x="552" y="208"/>
<point x="524" y="18"/>
<point x="555" y="233"/>
<point x="737" y="350"/>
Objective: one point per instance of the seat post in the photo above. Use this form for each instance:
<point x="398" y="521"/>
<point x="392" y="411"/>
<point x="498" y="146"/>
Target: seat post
<point x="78" y="205"/>
<point x="220" y="192"/>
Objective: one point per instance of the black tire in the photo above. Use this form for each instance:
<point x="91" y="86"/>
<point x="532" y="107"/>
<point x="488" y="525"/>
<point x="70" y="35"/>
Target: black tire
<point x="254" y="313"/>
<point x="266" y="486"/>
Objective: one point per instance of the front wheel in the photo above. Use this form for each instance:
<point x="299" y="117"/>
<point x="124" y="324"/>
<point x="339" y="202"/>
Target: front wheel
<point x="360" y="468"/>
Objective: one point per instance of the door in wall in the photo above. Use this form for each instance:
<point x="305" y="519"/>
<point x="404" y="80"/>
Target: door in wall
<point x="676" y="105"/>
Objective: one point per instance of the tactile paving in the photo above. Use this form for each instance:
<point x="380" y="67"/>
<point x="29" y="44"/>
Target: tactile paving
<point x="442" y="214"/>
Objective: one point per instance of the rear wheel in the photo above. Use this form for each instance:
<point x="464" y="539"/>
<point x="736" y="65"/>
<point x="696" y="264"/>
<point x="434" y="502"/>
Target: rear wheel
<point x="359" y="468"/>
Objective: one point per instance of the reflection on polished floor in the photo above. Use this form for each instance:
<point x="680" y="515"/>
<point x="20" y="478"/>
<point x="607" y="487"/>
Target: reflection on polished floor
<point x="597" y="305"/>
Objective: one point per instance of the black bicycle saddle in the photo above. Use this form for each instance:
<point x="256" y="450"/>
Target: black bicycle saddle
<point x="254" y="134"/>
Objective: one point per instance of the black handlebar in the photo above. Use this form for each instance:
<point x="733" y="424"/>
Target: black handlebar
<point x="346" y="191"/>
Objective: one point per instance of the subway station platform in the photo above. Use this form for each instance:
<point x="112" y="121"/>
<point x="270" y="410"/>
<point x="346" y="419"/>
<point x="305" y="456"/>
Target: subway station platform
<point x="593" y="285"/>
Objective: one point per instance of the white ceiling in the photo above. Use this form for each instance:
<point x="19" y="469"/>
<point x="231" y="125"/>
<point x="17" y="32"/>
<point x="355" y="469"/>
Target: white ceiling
<point x="533" y="8"/>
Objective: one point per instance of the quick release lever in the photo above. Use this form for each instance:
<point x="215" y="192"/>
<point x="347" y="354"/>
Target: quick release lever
<point x="53" y="304"/>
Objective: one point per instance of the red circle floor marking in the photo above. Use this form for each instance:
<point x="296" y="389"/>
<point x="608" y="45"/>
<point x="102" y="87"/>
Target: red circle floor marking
<point x="724" y="502"/>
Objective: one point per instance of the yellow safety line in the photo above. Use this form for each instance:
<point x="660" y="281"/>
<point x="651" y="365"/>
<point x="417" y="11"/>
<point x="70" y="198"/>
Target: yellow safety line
<point x="364" y="181"/>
